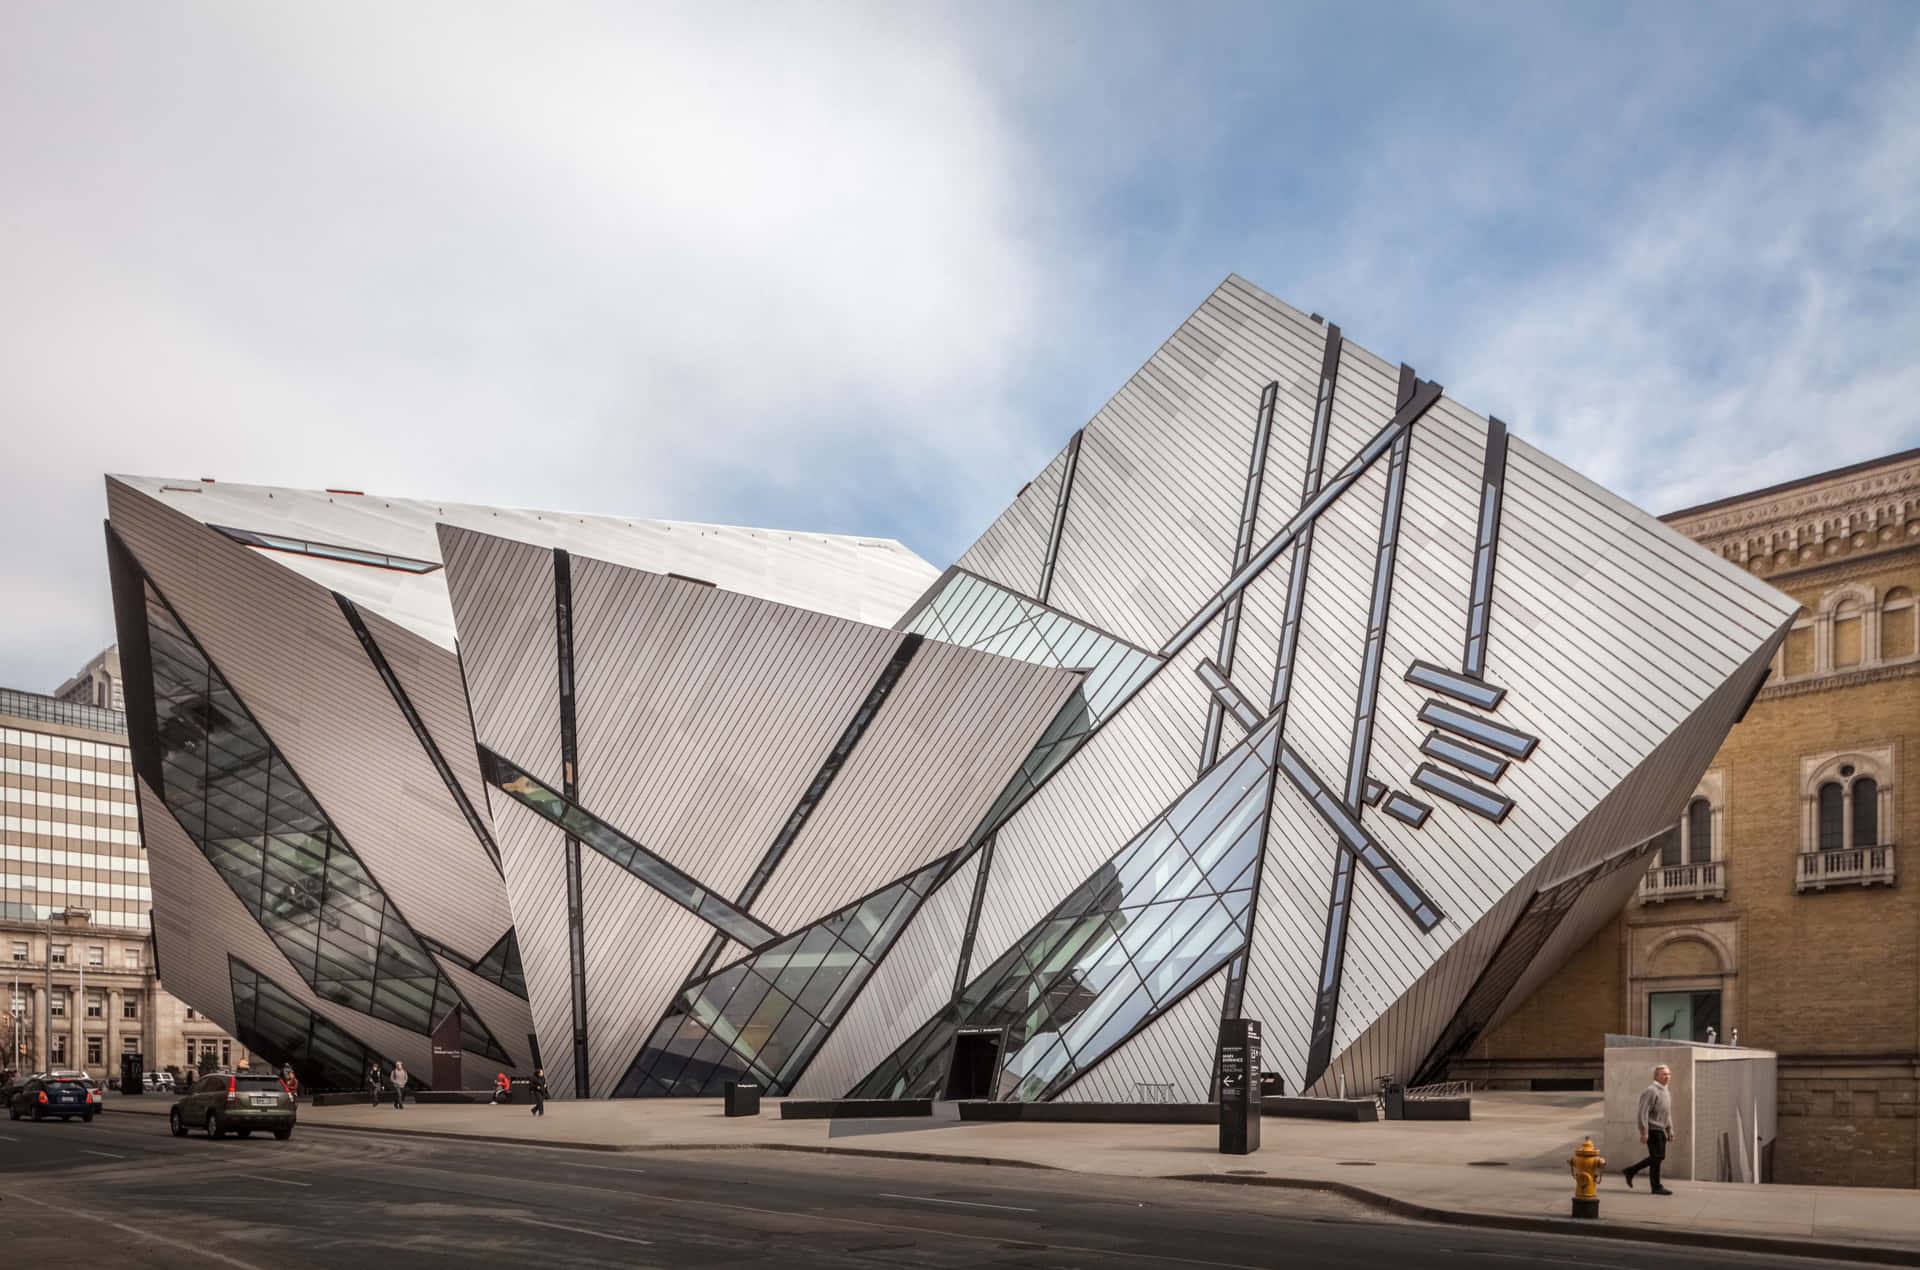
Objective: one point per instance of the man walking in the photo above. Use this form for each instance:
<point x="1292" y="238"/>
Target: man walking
<point x="399" y="1085"/>
<point x="540" y="1092"/>
<point x="373" y="1084"/>
<point x="1656" y="1128"/>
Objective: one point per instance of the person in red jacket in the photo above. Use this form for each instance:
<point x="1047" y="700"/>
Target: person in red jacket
<point x="502" y="1088"/>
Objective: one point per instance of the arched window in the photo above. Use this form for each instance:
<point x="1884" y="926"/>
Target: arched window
<point x="1898" y="635"/>
<point x="1866" y="813"/>
<point x="1699" y="831"/>
<point x="1849" y="629"/>
<point x="1796" y="655"/>
<point x="1832" y="816"/>
<point x="1670" y="848"/>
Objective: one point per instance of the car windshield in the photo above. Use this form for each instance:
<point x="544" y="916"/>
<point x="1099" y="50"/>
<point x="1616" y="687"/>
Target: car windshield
<point x="258" y="1082"/>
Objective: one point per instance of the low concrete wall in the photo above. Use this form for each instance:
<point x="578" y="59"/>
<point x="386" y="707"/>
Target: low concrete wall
<point x="1437" y="1109"/>
<point x="1357" y="1110"/>
<point x="1095" y="1112"/>
<point x="854" y="1108"/>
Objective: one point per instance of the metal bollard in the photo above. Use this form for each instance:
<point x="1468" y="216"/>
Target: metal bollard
<point x="1586" y="1164"/>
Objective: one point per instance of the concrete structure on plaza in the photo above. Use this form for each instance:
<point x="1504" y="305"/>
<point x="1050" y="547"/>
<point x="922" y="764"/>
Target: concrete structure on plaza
<point x="1290" y="689"/>
<point x="1776" y="907"/>
<point x="74" y="886"/>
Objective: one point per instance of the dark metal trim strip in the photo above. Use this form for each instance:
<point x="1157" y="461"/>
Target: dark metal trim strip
<point x="1468" y="758"/>
<point x="816" y="790"/>
<point x="569" y="778"/>
<point x="1243" y="546"/>
<point x="973" y="917"/>
<point x="1480" y="607"/>
<point x="1302" y="561"/>
<point x="1227" y="697"/>
<point x="1424" y="674"/>
<point x="1408" y="811"/>
<point x="1512" y="743"/>
<point x="419" y="726"/>
<point x="1485" y="803"/>
<point x="1059" y="517"/>
<point x="1361" y="752"/>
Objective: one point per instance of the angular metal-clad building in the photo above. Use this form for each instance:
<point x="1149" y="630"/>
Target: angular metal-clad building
<point x="1290" y="689"/>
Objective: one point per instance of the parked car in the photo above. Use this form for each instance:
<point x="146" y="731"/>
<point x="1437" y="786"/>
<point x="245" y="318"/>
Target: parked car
<point x="159" y="1082"/>
<point x="54" y="1094"/>
<point x="236" y="1102"/>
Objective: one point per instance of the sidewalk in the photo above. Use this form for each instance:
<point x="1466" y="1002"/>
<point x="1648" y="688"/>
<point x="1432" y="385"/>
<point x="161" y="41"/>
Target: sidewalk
<point x="1506" y="1167"/>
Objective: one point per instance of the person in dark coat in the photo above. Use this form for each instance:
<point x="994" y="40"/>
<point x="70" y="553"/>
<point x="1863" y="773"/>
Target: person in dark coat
<point x="373" y="1084"/>
<point x="540" y="1092"/>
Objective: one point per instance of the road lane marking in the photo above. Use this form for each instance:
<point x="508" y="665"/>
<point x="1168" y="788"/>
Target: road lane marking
<point x="582" y="1230"/>
<point x="928" y="1199"/>
<point x="198" y="1249"/>
<point x="280" y="1181"/>
<point x="110" y="1155"/>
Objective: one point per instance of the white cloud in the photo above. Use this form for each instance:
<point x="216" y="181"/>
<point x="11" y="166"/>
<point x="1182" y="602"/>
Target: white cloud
<point x="618" y="258"/>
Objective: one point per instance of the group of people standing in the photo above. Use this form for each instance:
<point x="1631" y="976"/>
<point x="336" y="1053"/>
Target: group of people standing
<point x="396" y="1080"/>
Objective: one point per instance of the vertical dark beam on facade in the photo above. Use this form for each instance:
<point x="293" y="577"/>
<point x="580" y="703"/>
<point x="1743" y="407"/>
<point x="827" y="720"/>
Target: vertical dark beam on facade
<point x="973" y="919"/>
<point x="419" y="726"/>
<point x="1493" y="479"/>
<point x="570" y="786"/>
<point x="1369" y="694"/>
<point x="1303" y="547"/>
<point x="1059" y="516"/>
<point x="1289" y="636"/>
<point x="1242" y="549"/>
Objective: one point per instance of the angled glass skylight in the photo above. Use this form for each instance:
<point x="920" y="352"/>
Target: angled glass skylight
<point x="764" y="1017"/>
<point x="327" y="550"/>
<point x="272" y="1023"/>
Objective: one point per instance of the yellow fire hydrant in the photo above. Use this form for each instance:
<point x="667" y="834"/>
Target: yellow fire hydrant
<point x="1586" y="1164"/>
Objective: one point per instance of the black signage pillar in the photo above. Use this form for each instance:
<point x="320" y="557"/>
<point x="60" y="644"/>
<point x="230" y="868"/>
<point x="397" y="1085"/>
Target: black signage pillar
<point x="446" y="1052"/>
<point x="1239" y="1086"/>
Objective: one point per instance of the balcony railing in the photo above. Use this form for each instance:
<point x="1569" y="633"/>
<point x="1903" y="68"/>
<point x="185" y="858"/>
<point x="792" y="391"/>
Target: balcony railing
<point x="1705" y="881"/>
<point x="1846" y="866"/>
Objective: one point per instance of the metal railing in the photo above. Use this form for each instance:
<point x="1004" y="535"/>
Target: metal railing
<point x="1440" y="1089"/>
<point x="1846" y="866"/>
<point x="1706" y="880"/>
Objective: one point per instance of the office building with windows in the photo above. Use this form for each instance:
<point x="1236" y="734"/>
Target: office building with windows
<point x="1290" y="689"/>
<point x="82" y="983"/>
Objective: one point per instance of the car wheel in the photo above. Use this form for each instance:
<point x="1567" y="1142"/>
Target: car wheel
<point x="176" y="1124"/>
<point x="243" y="1133"/>
<point x="37" y="1117"/>
<point x="87" y="1118"/>
<point x="214" y="1128"/>
<point x="66" y="1119"/>
<point x="283" y="1133"/>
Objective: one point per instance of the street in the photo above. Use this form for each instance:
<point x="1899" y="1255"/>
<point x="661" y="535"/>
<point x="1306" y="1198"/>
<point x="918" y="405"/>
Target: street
<point x="122" y="1187"/>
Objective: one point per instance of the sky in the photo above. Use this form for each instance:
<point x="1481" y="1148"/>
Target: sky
<point x="865" y="268"/>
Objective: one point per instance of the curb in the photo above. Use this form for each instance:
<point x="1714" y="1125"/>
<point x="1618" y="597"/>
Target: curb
<point x="1870" y="1254"/>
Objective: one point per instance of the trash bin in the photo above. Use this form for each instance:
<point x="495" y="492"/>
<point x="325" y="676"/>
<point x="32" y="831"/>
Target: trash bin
<point x="743" y="1098"/>
<point x="133" y="1080"/>
<point x="1393" y="1096"/>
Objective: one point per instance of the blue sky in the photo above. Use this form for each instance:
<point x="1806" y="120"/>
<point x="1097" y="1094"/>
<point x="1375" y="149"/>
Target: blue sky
<point x="864" y="268"/>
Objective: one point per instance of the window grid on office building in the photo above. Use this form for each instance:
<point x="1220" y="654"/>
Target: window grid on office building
<point x="69" y="829"/>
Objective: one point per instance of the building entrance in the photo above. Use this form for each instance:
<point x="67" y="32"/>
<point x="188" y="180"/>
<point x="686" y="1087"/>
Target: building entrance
<point x="976" y="1057"/>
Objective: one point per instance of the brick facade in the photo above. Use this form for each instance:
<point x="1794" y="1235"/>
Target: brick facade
<point x="1815" y="953"/>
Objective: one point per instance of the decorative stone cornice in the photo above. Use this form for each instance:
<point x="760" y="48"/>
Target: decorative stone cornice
<point x="1841" y="679"/>
<point x="1868" y="509"/>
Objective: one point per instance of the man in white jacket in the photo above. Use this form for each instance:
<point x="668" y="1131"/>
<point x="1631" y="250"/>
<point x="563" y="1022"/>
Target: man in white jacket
<point x="1656" y="1128"/>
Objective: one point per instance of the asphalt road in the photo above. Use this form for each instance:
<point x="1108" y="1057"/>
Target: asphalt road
<point x="121" y="1191"/>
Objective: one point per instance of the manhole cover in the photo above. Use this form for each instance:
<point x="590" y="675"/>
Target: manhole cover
<point x="1486" y="1164"/>
<point x="1357" y="1164"/>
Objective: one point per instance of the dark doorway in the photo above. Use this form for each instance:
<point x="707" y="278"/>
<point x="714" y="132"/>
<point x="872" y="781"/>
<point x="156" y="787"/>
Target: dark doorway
<point x="976" y="1057"/>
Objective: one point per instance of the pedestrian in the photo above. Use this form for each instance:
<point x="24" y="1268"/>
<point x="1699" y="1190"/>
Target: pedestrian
<point x="291" y="1081"/>
<point x="1656" y="1128"/>
<point x="373" y="1084"/>
<point x="399" y="1079"/>
<point x="539" y="1092"/>
<point x="502" y="1089"/>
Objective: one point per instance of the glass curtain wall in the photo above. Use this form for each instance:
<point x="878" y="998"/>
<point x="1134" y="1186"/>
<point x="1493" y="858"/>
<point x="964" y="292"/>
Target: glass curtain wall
<point x="234" y="794"/>
<point x="271" y="1023"/>
<point x="1162" y="915"/>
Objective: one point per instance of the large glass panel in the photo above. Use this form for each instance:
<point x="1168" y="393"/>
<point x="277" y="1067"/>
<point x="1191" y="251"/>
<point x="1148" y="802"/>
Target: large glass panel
<point x="1117" y="951"/>
<point x="766" y="1015"/>
<point x="273" y="1024"/>
<point x="246" y="810"/>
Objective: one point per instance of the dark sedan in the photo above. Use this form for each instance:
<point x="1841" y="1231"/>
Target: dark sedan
<point x="63" y="1096"/>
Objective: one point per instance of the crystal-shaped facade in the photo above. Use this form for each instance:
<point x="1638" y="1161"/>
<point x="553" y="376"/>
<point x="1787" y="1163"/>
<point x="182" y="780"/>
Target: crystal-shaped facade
<point x="242" y="805"/>
<point x="273" y="1024"/>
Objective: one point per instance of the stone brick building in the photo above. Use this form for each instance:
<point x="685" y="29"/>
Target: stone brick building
<point x="1777" y="909"/>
